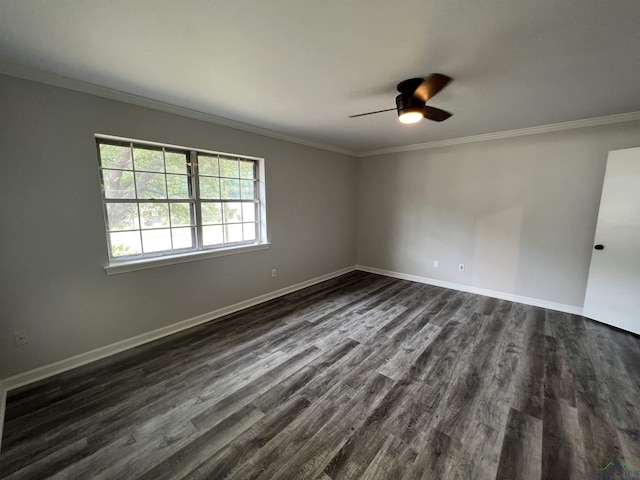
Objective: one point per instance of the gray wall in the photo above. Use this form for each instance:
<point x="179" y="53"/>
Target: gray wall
<point x="53" y="247"/>
<point x="520" y="213"/>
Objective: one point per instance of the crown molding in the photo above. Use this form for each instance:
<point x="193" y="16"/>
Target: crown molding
<point x="553" y="127"/>
<point x="68" y="83"/>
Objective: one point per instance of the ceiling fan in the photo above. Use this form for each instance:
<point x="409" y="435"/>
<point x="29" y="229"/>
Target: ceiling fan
<point x="414" y="94"/>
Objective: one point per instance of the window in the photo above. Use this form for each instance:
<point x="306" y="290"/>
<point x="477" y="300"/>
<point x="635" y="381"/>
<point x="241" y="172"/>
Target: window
<point x="161" y="200"/>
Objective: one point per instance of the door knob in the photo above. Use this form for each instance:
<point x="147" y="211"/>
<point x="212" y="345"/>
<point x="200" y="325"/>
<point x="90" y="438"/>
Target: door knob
<point x="599" y="247"/>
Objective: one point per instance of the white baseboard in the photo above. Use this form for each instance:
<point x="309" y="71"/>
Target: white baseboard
<point x="45" y="371"/>
<point x="479" y="291"/>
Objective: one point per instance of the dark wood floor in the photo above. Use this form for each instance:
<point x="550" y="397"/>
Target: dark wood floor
<point x="361" y="377"/>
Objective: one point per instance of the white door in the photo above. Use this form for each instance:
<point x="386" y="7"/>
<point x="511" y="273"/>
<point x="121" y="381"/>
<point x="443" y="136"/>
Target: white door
<point x="613" y="290"/>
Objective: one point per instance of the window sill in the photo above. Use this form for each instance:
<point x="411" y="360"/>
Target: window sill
<point x="133" y="265"/>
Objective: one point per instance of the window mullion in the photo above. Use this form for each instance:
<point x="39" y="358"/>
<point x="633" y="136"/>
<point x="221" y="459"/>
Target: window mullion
<point x="135" y="189"/>
<point x="196" y="193"/>
<point x="166" y="189"/>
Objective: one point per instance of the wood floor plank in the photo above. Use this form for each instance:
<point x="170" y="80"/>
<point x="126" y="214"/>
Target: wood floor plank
<point x="474" y="366"/>
<point x="246" y="445"/>
<point x="133" y="452"/>
<point x="398" y="365"/>
<point x="481" y="454"/>
<point x="521" y="455"/>
<point x="405" y="409"/>
<point x="599" y="434"/>
<point x="382" y="464"/>
<point x="614" y="383"/>
<point x="329" y="386"/>
<point x="563" y="452"/>
<point x="627" y="347"/>
<point x="273" y="455"/>
<point x="282" y="391"/>
<point x="206" y="415"/>
<point x="499" y="380"/>
<point x="558" y="384"/>
<point x="181" y="463"/>
<point x="359" y="377"/>
<point x="314" y="454"/>
<point x="352" y="459"/>
<point x="529" y="388"/>
<point x="436" y="451"/>
<point x="54" y="462"/>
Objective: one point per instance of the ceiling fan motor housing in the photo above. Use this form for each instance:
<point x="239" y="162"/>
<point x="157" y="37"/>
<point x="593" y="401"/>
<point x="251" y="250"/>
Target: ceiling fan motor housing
<point x="407" y="104"/>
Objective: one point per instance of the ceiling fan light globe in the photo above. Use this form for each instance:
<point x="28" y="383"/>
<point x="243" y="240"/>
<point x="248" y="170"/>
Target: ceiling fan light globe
<point x="410" y="117"/>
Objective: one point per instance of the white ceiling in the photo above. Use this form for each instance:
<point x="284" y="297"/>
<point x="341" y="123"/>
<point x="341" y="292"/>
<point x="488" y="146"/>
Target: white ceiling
<point x="300" y="68"/>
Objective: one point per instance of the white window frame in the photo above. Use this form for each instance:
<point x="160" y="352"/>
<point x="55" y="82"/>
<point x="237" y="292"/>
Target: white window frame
<point x="198" y="251"/>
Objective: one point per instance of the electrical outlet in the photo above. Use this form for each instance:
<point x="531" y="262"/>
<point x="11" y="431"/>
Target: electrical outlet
<point x="273" y="272"/>
<point x="461" y="267"/>
<point x="21" y="337"/>
<point x="435" y="263"/>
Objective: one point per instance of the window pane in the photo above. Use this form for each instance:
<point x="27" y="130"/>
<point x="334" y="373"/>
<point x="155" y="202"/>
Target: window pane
<point x="230" y="188"/>
<point x="182" y="238"/>
<point x="154" y="215"/>
<point x="233" y="232"/>
<point x="229" y="168"/>
<point x="181" y="214"/>
<point x="148" y="160"/>
<point x="249" y="231"/>
<point x="115" y="156"/>
<point x="122" y="216"/>
<point x="211" y="213"/>
<point x="151" y="185"/>
<point x="118" y="184"/>
<point x="156" y="240"/>
<point x="209" y="187"/>
<point x="207" y="165"/>
<point x="248" y="212"/>
<point x="246" y="169"/>
<point x="176" y="162"/>
<point x="212" y="235"/>
<point x="178" y="186"/>
<point x="232" y="212"/>
<point x="125" y="243"/>
<point x="247" y="190"/>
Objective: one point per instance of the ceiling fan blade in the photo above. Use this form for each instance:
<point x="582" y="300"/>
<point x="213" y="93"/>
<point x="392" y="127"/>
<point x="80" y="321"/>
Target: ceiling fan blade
<point x="371" y="113"/>
<point x="430" y="86"/>
<point x="435" y="114"/>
